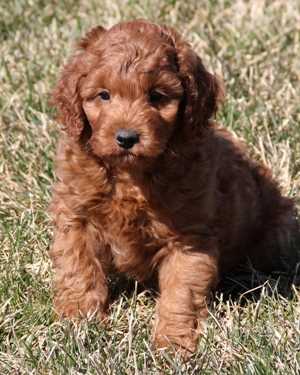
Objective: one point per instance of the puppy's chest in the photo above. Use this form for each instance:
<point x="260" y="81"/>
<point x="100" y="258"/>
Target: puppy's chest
<point x="131" y="224"/>
<point x="128" y="209"/>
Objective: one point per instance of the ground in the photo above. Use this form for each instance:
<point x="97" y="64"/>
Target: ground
<point x="255" y="47"/>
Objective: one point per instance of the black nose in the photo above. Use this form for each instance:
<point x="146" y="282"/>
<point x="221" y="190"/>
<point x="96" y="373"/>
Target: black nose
<point x="127" y="138"/>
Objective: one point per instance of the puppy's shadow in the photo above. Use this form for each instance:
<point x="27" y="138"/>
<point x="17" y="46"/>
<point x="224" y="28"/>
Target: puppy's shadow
<point x="122" y="285"/>
<point x="245" y="284"/>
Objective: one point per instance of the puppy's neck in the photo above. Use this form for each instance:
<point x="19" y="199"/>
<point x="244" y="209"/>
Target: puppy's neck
<point x="156" y="175"/>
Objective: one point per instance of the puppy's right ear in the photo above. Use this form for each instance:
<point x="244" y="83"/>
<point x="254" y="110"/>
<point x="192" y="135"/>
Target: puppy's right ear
<point x="91" y="38"/>
<point x="66" y="95"/>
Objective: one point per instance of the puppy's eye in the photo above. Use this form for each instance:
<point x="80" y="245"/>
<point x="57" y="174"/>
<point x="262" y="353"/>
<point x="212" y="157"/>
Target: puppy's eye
<point x="104" y="95"/>
<point x="156" y="97"/>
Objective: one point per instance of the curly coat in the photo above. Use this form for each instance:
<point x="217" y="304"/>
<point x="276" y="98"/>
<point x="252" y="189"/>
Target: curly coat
<point x="184" y="204"/>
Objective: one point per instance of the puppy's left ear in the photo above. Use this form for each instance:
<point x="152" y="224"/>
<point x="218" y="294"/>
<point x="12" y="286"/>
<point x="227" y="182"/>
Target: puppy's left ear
<point x="203" y="91"/>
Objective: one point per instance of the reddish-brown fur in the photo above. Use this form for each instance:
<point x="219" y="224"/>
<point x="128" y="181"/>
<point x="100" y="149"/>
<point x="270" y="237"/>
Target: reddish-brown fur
<point x="185" y="204"/>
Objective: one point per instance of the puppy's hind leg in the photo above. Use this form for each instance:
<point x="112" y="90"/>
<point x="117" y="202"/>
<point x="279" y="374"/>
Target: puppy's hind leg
<point x="279" y="248"/>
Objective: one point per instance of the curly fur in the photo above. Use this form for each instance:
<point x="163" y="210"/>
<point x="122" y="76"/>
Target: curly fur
<point x="185" y="204"/>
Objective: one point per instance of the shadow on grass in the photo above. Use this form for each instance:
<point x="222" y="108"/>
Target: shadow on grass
<point x="122" y="285"/>
<point x="243" y="284"/>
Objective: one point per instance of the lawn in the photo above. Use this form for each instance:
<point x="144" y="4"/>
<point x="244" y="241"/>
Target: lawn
<point x="254" y="322"/>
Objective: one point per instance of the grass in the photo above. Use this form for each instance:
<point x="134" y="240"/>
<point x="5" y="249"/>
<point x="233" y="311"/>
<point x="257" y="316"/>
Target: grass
<point x="255" y="47"/>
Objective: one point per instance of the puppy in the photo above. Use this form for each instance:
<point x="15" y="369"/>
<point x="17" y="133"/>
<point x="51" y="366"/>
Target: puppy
<point x="150" y="186"/>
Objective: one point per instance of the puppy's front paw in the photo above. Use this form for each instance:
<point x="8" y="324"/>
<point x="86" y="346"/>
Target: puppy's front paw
<point x="85" y="307"/>
<point x="183" y="339"/>
<point x="185" y="345"/>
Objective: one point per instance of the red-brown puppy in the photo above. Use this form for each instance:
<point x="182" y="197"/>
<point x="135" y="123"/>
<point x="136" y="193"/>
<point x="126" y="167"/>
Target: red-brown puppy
<point x="149" y="185"/>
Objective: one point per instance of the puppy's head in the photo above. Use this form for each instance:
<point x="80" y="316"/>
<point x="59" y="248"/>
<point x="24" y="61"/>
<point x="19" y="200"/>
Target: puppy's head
<point x="128" y="89"/>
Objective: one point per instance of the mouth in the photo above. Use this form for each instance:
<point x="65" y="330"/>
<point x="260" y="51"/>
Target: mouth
<point x="125" y="153"/>
<point x="129" y="160"/>
<point x="124" y="158"/>
<point x="127" y="157"/>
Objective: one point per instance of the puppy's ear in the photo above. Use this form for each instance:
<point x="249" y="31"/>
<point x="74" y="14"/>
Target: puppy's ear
<point x="203" y="91"/>
<point x="66" y="95"/>
<point x="91" y="38"/>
